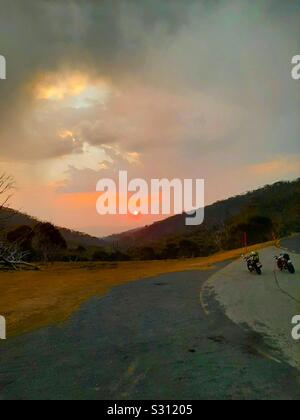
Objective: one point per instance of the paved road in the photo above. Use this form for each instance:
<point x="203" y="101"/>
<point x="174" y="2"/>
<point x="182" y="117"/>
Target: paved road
<point x="161" y="338"/>
<point x="292" y="244"/>
<point x="264" y="304"/>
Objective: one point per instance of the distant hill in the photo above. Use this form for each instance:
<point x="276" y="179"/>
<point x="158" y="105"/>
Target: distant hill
<point x="279" y="202"/>
<point x="263" y="214"/>
<point x="11" y="219"/>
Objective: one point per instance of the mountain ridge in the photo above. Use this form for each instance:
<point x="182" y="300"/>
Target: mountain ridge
<point x="279" y="202"/>
<point x="11" y="219"/>
<point x="267" y="199"/>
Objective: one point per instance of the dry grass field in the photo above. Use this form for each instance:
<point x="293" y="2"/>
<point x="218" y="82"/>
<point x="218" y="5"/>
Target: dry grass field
<point x="33" y="299"/>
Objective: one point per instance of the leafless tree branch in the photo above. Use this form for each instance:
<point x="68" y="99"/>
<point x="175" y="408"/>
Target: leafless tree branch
<point x="13" y="258"/>
<point x="7" y="185"/>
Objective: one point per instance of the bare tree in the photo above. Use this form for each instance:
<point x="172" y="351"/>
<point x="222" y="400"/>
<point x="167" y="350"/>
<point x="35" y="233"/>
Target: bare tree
<point x="7" y="185"/>
<point x="11" y="257"/>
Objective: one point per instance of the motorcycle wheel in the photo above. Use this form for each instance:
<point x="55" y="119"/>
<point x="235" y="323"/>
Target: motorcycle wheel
<point x="258" y="270"/>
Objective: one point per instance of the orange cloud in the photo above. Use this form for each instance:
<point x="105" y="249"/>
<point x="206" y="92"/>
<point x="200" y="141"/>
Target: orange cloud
<point x="57" y="86"/>
<point x="64" y="134"/>
<point x="278" y="167"/>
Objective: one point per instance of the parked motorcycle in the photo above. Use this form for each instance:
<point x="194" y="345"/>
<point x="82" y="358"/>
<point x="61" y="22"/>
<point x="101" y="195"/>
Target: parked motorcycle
<point x="253" y="265"/>
<point x="284" y="263"/>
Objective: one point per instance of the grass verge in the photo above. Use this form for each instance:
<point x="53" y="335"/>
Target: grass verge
<point x="34" y="299"/>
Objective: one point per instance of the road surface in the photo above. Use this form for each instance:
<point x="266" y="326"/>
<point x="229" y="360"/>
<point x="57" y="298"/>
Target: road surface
<point x="266" y="304"/>
<point x="218" y="334"/>
<point x="292" y="244"/>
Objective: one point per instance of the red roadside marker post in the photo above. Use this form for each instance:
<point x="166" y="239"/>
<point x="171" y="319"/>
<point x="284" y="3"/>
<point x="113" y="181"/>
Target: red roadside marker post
<point x="245" y="240"/>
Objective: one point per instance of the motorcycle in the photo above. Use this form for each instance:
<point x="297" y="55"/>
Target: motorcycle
<point x="285" y="264"/>
<point x="253" y="266"/>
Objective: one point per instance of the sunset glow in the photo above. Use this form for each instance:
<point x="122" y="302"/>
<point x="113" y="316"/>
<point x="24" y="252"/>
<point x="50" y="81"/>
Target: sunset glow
<point x="159" y="102"/>
<point x="59" y="86"/>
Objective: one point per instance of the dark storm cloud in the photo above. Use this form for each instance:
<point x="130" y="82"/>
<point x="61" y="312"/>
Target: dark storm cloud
<point x="116" y="35"/>
<point x="236" y="51"/>
<point x="109" y="37"/>
<point x="195" y="89"/>
<point x="40" y="34"/>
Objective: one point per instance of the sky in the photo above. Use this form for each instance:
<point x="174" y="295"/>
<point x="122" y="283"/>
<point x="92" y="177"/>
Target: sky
<point x="162" y="89"/>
